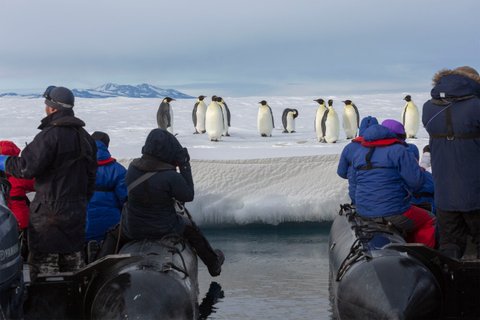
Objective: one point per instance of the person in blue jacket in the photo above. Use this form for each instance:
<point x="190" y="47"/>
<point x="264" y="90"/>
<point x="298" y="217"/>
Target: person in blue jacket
<point x="154" y="188"/>
<point x="452" y="120"/>
<point x="345" y="169"/>
<point x="104" y="208"/>
<point x="385" y="173"/>
<point x="423" y="198"/>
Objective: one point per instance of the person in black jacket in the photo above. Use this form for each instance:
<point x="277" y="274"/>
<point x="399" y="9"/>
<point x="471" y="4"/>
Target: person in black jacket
<point x="62" y="159"/>
<point x="452" y="120"/>
<point x="154" y="187"/>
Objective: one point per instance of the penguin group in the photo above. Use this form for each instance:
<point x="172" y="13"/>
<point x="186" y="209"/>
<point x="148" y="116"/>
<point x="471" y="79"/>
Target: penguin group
<point x="214" y="119"/>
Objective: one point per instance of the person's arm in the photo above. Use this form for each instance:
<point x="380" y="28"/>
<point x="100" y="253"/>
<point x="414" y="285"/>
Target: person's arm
<point x="36" y="158"/>
<point x="182" y="186"/>
<point x="410" y="171"/>
<point x="343" y="164"/>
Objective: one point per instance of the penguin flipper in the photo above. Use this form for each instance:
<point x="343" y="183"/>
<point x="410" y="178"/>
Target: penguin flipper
<point x="228" y="114"/>
<point x="271" y="113"/>
<point x="194" y="114"/>
<point x="324" y="122"/>
<point x="284" y="118"/>
<point x="358" y="115"/>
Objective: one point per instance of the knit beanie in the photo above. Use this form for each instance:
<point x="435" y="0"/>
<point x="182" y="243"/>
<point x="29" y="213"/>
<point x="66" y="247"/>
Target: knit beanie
<point x="394" y="126"/>
<point x="59" y="98"/>
<point x="101" y="136"/>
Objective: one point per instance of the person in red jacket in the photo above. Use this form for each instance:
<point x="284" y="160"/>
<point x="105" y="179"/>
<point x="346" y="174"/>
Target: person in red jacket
<point x="17" y="201"/>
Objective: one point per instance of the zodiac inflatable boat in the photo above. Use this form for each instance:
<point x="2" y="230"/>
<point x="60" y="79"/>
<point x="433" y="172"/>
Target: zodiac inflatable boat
<point x="374" y="274"/>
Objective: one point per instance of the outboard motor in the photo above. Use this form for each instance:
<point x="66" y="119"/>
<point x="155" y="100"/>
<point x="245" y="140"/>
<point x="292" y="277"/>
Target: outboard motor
<point x="11" y="281"/>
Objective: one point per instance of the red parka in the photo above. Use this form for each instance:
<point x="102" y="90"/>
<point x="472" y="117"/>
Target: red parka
<point x="17" y="201"/>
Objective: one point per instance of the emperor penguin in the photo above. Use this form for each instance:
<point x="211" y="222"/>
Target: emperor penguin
<point x="319" y="129"/>
<point x="331" y="124"/>
<point x="288" y="120"/>
<point x="265" y="122"/>
<point x="214" y="120"/>
<point x="226" y="116"/>
<point x="410" y="118"/>
<point x="351" y="119"/>
<point x="198" y="115"/>
<point x="165" y="115"/>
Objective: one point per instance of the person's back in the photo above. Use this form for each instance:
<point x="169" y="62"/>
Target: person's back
<point x="382" y="188"/>
<point x="151" y="210"/>
<point x="17" y="200"/>
<point x="154" y="186"/>
<point x="62" y="159"/>
<point x="386" y="174"/>
<point x="104" y="208"/>
<point x="344" y="168"/>
<point x="452" y="120"/>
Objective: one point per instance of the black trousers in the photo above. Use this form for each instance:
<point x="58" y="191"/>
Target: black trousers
<point x="455" y="227"/>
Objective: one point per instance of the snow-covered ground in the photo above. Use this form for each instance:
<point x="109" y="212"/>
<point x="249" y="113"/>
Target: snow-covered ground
<point x="244" y="178"/>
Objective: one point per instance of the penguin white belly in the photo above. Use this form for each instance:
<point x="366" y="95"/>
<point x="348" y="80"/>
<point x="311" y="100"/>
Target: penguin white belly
<point x="412" y="121"/>
<point x="225" y="120"/>
<point x="332" y="127"/>
<point x="318" y="124"/>
<point x="170" y="129"/>
<point x="214" y="122"/>
<point x="350" y="122"/>
<point x="290" y="123"/>
<point x="264" y="122"/>
<point x="201" y="113"/>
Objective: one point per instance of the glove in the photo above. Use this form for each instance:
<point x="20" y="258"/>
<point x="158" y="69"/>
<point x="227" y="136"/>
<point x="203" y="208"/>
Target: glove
<point x="3" y="161"/>
<point x="182" y="157"/>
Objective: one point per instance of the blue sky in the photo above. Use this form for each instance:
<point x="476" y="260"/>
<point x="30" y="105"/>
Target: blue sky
<point x="237" y="48"/>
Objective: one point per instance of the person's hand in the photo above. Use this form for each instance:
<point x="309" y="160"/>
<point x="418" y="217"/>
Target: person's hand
<point x="182" y="157"/>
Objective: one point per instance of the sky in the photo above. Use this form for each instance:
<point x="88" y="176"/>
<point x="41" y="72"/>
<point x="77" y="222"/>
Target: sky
<point x="244" y="177"/>
<point x="236" y="48"/>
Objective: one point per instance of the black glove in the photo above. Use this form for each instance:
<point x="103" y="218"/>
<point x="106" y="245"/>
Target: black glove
<point x="182" y="157"/>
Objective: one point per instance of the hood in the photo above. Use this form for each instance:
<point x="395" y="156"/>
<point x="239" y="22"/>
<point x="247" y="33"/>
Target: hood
<point x="102" y="151"/>
<point x="455" y="83"/>
<point x="162" y="145"/>
<point x="366" y="123"/>
<point x="9" y="148"/>
<point x="377" y="132"/>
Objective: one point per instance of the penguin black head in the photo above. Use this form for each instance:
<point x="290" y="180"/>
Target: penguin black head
<point x="320" y="101"/>
<point x="263" y="103"/>
<point x="214" y="98"/>
<point x="201" y="98"/>
<point x="295" y="113"/>
<point x="330" y="102"/>
<point x="407" y="98"/>
<point x="168" y="99"/>
<point x="219" y="99"/>
<point x="347" y="102"/>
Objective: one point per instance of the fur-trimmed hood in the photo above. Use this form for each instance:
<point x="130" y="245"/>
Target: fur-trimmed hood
<point x="446" y="72"/>
<point x="460" y="82"/>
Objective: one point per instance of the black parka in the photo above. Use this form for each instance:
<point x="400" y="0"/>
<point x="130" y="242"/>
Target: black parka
<point x="150" y="210"/>
<point x="62" y="159"/>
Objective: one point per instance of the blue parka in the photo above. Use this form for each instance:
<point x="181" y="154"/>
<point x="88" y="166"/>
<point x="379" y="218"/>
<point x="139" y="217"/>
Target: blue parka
<point x="105" y="207"/>
<point x="385" y="188"/>
<point x="151" y="206"/>
<point x="455" y="159"/>
<point x="345" y="169"/>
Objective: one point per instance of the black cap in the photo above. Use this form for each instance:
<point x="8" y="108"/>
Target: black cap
<point x="59" y="97"/>
<point x="101" y="136"/>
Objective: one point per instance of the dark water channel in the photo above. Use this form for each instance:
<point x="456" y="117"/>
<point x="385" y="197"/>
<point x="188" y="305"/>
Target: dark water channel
<point x="270" y="272"/>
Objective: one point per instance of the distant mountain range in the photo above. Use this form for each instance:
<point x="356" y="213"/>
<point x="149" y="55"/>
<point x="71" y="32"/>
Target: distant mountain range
<point x="111" y="90"/>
